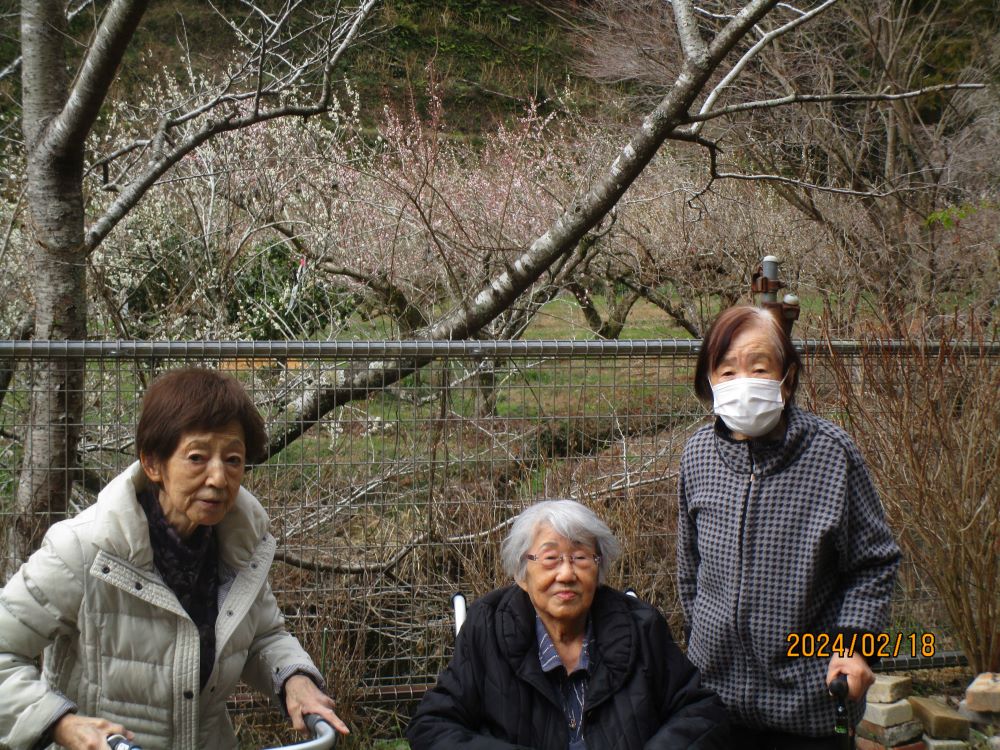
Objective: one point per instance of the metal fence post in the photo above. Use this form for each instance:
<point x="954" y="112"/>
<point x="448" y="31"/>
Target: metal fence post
<point x="766" y="282"/>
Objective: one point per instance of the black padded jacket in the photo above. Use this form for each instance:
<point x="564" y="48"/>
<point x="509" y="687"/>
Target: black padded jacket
<point x="642" y="692"/>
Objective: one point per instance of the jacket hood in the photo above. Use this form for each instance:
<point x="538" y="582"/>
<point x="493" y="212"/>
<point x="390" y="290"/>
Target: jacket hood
<point x="122" y="530"/>
<point x="762" y="456"/>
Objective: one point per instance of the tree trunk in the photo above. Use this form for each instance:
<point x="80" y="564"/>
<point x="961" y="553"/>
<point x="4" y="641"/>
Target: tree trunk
<point x="56" y="122"/>
<point x="55" y="225"/>
<point x="59" y="109"/>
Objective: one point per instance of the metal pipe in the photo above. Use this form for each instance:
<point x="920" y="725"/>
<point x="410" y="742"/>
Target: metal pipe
<point x="351" y="350"/>
<point x="769" y="270"/>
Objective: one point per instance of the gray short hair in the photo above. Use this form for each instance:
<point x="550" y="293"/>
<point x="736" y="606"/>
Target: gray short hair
<point x="568" y="518"/>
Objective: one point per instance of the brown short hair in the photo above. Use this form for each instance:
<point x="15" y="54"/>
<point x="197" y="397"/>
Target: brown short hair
<point x="720" y="336"/>
<point x="195" y="398"/>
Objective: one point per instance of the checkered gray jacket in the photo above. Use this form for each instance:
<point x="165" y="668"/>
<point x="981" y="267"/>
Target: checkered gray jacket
<point x="776" y="539"/>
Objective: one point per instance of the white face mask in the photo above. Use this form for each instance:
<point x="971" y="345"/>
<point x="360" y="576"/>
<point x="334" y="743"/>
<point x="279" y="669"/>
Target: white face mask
<point x="749" y="406"/>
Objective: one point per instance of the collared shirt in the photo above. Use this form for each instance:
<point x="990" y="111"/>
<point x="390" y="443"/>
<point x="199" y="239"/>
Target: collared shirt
<point x="572" y="687"/>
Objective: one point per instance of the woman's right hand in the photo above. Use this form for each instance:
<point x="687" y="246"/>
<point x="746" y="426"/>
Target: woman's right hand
<point x="86" y="733"/>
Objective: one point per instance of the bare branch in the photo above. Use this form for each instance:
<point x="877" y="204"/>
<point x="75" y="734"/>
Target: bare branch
<point x="738" y="27"/>
<point x="582" y="215"/>
<point x="650" y="294"/>
<point x="843" y="98"/>
<point x="715" y="174"/>
<point x="695" y="50"/>
<point x="395" y="298"/>
<point x="801" y="184"/>
<point x="160" y="163"/>
<point x="104" y="161"/>
<point x="96" y="73"/>
<point x="752" y="52"/>
<point x="382" y="566"/>
<point x="351" y="567"/>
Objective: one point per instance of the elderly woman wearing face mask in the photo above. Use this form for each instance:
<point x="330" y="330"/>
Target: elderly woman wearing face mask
<point x="557" y="661"/>
<point x="780" y="535"/>
<point x="153" y="603"/>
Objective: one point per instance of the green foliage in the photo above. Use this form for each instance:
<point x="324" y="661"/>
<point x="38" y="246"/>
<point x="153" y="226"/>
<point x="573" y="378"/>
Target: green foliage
<point x="949" y="216"/>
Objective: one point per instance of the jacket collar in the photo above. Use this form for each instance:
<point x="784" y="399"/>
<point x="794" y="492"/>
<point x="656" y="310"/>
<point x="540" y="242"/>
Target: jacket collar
<point x="765" y="457"/>
<point x="612" y="652"/>
<point x="121" y="528"/>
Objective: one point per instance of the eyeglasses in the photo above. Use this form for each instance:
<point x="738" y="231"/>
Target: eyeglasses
<point x="553" y="560"/>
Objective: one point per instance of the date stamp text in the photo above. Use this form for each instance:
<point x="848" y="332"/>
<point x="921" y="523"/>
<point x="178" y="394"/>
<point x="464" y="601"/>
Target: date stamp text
<point x="868" y="645"/>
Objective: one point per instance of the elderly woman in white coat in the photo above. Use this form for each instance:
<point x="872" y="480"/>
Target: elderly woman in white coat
<point x="154" y="602"/>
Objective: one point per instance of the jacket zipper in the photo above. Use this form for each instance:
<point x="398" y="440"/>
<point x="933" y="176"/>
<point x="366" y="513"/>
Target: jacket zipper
<point x="739" y="588"/>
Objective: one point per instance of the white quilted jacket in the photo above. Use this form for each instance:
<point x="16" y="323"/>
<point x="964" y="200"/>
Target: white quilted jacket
<point x="116" y="641"/>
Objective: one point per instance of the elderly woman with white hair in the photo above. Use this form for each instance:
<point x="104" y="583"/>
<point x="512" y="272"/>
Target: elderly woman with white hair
<point x="559" y="661"/>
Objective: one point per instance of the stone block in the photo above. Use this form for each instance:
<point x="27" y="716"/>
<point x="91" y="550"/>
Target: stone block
<point x="984" y="693"/>
<point x="940" y="721"/>
<point x="888" y="714"/>
<point x="860" y="743"/>
<point x="933" y="743"/>
<point x="889" y="689"/>
<point x="897" y="734"/>
<point x="979" y="719"/>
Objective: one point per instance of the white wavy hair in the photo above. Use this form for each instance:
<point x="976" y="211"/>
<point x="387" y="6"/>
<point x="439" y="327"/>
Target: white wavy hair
<point x="569" y="519"/>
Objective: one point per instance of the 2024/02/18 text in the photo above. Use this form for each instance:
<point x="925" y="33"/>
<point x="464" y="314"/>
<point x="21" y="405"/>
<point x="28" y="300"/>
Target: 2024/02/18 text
<point x="868" y="645"/>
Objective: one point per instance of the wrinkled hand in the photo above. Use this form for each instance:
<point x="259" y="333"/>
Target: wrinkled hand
<point x="86" y="733"/>
<point x="303" y="697"/>
<point x="859" y="675"/>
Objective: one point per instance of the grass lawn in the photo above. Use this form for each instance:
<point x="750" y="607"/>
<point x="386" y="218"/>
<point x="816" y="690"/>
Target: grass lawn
<point x="562" y="319"/>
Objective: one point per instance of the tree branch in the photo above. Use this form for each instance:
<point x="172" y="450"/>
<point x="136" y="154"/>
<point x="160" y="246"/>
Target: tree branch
<point x="96" y="73"/>
<point x="407" y="314"/>
<point x="382" y="566"/>
<point x="738" y="27"/>
<point x="752" y="52"/>
<point x="815" y="98"/>
<point x="351" y="567"/>
<point x="692" y="44"/>
<point x="584" y="213"/>
<point x="650" y="294"/>
<point x="587" y="306"/>
<point x="161" y="161"/>
<point x="715" y="174"/>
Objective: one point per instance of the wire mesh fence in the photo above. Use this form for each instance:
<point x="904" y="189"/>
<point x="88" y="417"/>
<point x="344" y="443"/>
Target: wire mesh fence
<point x="396" y="467"/>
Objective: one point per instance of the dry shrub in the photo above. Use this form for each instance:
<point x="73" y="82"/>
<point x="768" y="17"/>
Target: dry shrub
<point x="926" y="413"/>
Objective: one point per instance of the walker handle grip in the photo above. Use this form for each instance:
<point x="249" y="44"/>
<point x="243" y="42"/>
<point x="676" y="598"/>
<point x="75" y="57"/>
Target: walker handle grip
<point x="312" y="721"/>
<point x="120" y="742"/>
<point x="838" y="688"/>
